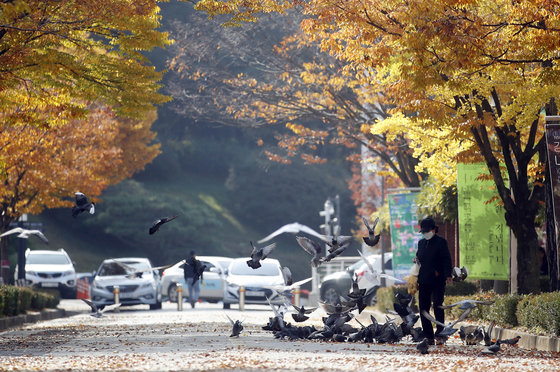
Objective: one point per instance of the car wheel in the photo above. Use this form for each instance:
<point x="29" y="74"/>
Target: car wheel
<point x="172" y="292"/>
<point x="331" y="296"/>
<point x="155" y="306"/>
<point x="227" y="306"/>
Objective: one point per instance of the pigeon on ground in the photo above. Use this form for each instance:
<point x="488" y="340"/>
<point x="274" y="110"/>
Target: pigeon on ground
<point x="492" y="349"/>
<point x="311" y="247"/>
<point x="157" y="223"/>
<point x="511" y="341"/>
<point x="475" y="337"/>
<point x="95" y="312"/>
<point x="291" y="228"/>
<point x="302" y="312"/>
<point x="488" y="334"/>
<point x="459" y="274"/>
<point x="355" y="291"/>
<point x="24" y="234"/>
<point x="237" y="327"/>
<point x="467" y="304"/>
<point x="82" y="204"/>
<point x="466" y="330"/>
<point x="423" y="346"/>
<point x="372" y="239"/>
<point x="373" y="275"/>
<point x="259" y="254"/>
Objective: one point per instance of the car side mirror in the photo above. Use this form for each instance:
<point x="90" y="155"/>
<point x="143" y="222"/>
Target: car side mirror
<point x="214" y="270"/>
<point x="93" y="273"/>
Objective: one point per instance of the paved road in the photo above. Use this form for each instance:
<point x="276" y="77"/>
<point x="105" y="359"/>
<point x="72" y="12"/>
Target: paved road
<point x="197" y="339"/>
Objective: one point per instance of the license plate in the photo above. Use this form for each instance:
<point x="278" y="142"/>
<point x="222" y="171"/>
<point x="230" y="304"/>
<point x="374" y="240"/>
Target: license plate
<point x="254" y="293"/>
<point x="49" y="284"/>
<point x="126" y="295"/>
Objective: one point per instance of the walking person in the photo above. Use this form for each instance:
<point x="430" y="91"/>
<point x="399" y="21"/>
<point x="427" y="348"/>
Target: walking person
<point x="191" y="268"/>
<point x="435" y="271"/>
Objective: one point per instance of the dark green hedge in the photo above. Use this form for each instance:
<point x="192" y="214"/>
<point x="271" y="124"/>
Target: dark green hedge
<point x="17" y="300"/>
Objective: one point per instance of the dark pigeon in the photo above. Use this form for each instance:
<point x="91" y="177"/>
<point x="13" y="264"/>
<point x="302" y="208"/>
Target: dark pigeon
<point x="82" y="204"/>
<point x="157" y="224"/>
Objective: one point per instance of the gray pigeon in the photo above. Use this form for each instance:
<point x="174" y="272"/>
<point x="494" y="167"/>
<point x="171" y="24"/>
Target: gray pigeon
<point x="82" y="204"/>
<point x="337" y="242"/>
<point x="467" y="304"/>
<point x="311" y="247"/>
<point x="423" y="346"/>
<point x="95" y="312"/>
<point x="157" y="223"/>
<point x="258" y="254"/>
<point x="492" y="349"/>
<point x="25" y="233"/>
<point x="448" y="329"/>
<point x="237" y="327"/>
<point x="302" y="312"/>
<point x="372" y="239"/>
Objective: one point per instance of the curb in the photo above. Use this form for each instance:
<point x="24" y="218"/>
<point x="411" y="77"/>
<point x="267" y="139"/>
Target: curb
<point x="528" y="340"/>
<point x="31" y="317"/>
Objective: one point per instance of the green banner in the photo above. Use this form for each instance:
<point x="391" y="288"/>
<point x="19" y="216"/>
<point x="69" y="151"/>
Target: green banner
<point x="483" y="233"/>
<point x="404" y="231"/>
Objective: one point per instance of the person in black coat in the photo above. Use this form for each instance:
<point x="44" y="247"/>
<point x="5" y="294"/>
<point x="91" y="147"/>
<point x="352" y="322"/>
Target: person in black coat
<point x="435" y="271"/>
<point x="192" y="272"/>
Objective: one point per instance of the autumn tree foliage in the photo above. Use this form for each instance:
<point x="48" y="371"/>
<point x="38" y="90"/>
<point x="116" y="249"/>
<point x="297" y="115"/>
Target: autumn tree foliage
<point x="57" y="54"/>
<point x="477" y="72"/>
<point x="43" y="167"/>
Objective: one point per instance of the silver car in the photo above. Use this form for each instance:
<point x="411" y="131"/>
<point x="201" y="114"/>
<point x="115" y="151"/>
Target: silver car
<point x="138" y="283"/>
<point x="212" y="285"/>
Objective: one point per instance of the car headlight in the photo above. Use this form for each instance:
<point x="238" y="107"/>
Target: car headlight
<point x="33" y="273"/>
<point x="97" y="285"/>
<point x="231" y="284"/>
<point x="69" y="272"/>
<point x="146" y="285"/>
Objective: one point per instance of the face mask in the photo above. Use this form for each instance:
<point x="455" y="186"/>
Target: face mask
<point x="428" y="235"/>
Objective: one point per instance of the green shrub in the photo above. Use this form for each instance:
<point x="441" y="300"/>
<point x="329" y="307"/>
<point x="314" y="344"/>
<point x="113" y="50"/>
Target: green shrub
<point x="39" y="301"/>
<point x="503" y="310"/>
<point x="25" y="295"/>
<point x="10" y="295"/>
<point x="385" y="298"/>
<point x="464" y="288"/>
<point x="540" y="313"/>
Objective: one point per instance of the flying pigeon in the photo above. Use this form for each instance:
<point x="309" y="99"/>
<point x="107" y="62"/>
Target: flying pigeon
<point x="372" y="239"/>
<point x="311" y="247"/>
<point x="337" y="242"/>
<point x="82" y="204"/>
<point x="423" y="346"/>
<point x="301" y="316"/>
<point x="138" y="273"/>
<point x="286" y="290"/>
<point x="157" y="224"/>
<point x="95" y="312"/>
<point x="291" y="228"/>
<point x="467" y="304"/>
<point x="373" y="275"/>
<point x="448" y="329"/>
<point x="459" y="274"/>
<point x="237" y="327"/>
<point x="259" y="254"/>
<point x="24" y="234"/>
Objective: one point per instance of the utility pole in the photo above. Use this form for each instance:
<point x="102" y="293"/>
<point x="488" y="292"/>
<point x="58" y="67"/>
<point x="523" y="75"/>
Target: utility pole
<point x="327" y="212"/>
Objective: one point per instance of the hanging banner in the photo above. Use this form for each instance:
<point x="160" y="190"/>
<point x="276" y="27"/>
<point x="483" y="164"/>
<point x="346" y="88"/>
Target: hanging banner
<point x="483" y="233"/>
<point x="404" y="231"/>
<point x="552" y="131"/>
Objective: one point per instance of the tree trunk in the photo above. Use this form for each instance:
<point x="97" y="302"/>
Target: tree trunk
<point x="527" y="253"/>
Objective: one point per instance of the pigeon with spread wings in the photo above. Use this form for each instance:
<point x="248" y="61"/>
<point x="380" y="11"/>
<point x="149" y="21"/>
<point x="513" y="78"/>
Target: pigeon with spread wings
<point x="95" y="312"/>
<point x="157" y="223"/>
<point x="25" y="234"/>
<point x="292" y="228"/>
<point x="82" y="204"/>
<point x="448" y="329"/>
<point x="311" y="247"/>
<point x="236" y="326"/>
<point x="259" y="254"/>
<point x="372" y="239"/>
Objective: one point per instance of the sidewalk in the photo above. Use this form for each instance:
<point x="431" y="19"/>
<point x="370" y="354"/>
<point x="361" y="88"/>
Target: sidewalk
<point x="32" y="317"/>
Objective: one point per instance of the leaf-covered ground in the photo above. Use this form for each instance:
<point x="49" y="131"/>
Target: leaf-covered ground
<point x="139" y="339"/>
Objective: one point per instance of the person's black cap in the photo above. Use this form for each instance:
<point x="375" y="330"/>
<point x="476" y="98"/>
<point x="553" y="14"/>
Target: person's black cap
<point x="427" y="224"/>
<point x="193" y="252"/>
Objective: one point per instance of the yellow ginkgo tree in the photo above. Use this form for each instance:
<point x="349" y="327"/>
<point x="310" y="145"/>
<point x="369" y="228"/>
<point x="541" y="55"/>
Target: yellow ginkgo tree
<point x="482" y="69"/>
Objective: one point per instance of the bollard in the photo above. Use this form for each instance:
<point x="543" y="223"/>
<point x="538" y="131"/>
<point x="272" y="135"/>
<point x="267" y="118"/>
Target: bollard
<point x="297" y="292"/>
<point x="116" y="294"/>
<point x="241" y="298"/>
<point x="179" y="297"/>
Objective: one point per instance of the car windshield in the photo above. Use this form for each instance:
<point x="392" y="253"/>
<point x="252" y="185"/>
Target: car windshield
<point x="47" y="259"/>
<point x="267" y="269"/>
<point x="121" y="267"/>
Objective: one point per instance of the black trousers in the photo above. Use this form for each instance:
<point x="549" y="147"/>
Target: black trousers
<point x="428" y="294"/>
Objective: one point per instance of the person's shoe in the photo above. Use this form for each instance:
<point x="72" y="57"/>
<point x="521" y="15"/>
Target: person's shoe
<point x="192" y="305"/>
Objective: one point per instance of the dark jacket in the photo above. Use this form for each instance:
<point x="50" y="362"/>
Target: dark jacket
<point x="191" y="267"/>
<point x="435" y="260"/>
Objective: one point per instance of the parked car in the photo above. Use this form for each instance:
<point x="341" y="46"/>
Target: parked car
<point x="340" y="283"/>
<point x="212" y="285"/>
<point x="254" y="281"/>
<point x="143" y="288"/>
<point x="50" y="269"/>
